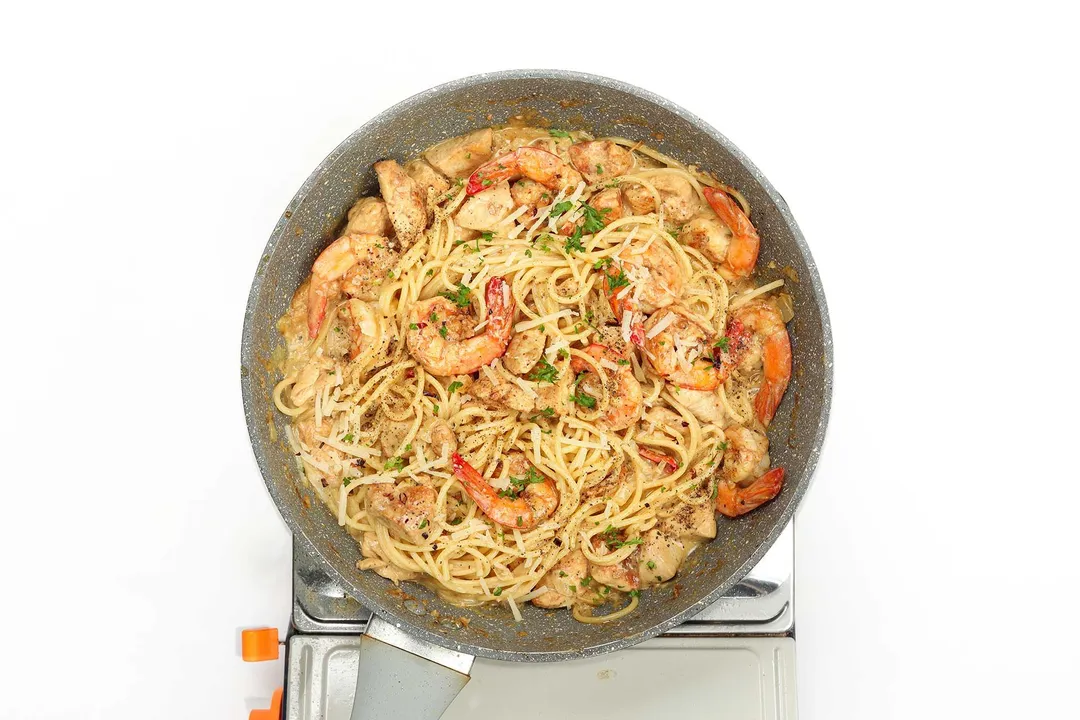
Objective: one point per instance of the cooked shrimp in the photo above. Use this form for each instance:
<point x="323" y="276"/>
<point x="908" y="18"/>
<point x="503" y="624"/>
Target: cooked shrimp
<point x="405" y="201"/>
<point x="438" y="336"/>
<point x="533" y="163"/>
<point x="769" y="336"/>
<point x="678" y="351"/>
<point x="733" y="501"/>
<point x="741" y="253"/>
<point x="537" y="499"/>
<point x="600" y="160"/>
<point x="609" y="202"/>
<point x="529" y="193"/>
<point x="363" y="325"/>
<point x="746" y="454"/>
<point x="406" y="508"/>
<point x="645" y="281"/>
<point x="356" y="264"/>
<point x="623" y="389"/>
<point x="658" y="457"/>
<point x="678" y="199"/>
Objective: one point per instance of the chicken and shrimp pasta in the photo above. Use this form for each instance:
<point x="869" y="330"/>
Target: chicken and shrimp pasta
<point x="535" y="367"/>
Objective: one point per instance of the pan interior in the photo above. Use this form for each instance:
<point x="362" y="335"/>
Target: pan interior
<point x="562" y="100"/>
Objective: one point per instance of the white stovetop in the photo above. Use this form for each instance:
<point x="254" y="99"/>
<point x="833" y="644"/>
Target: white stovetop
<point x="929" y="153"/>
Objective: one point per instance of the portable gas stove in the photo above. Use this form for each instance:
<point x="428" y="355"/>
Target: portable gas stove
<point x="734" y="660"/>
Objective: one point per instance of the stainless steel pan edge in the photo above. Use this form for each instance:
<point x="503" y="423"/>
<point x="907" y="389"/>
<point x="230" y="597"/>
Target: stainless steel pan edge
<point x="568" y="99"/>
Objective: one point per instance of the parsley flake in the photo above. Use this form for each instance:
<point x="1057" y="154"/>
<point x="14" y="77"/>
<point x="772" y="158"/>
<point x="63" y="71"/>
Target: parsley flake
<point x="544" y="372"/>
<point x="396" y="463"/>
<point x="347" y="438"/>
<point x="559" y="133"/>
<point x="345" y="481"/>
<point x="453" y="387"/>
<point x="560" y="208"/>
<point x="443" y="331"/>
<point x="460" y="297"/>
<point x="497" y="592"/>
<point x="723" y="343"/>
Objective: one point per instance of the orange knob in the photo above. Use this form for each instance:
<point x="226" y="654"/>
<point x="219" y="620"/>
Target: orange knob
<point x="271" y="713"/>
<point x="259" y="644"/>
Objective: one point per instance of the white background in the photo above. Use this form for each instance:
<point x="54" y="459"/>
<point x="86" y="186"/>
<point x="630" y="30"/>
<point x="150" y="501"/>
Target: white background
<point x="929" y="152"/>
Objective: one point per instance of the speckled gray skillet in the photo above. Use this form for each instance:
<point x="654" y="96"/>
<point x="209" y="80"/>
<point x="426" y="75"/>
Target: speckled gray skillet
<point x="566" y="100"/>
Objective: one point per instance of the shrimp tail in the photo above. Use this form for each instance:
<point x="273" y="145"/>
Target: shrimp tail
<point x="777" y="361"/>
<point x="473" y="481"/>
<point x="734" y="501"/>
<point x="659" y="457"/>
<point x="742" y="253"/>
<point x="500" y="311"/>
<point x="316" y="312"/>
<point x="501" y="168"/>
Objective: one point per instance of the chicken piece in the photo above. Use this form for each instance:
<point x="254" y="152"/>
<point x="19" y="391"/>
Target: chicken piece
<point x="405" y="203"/>
<point x="660" y="556"/>
<point x="524" y="351"/>
<point x="494" y="391"/>
<point x="621" y="575"/>
<point x="704" y="404"/>
<point x="638" y="197"/>
<point x="706" y="234"/>
<point x="556" y="395"/>
<point x="406" y="508"/>
<point x="665" y="547"/>
<point x="609" y="203"/>
<point x="677" y="197"/>
<point x="563" y="581"/>
<point x="484" y="210"/>
<point x="439" y="437"/>
<point x="426" y="177"/>
<point x="459" y="156"/>
<point x="369" y="548"/>
<point x="600" y="160"/>
<point x="369" y="217"/>
<point x="392" y="434"/>
<point x="529" y="193"/>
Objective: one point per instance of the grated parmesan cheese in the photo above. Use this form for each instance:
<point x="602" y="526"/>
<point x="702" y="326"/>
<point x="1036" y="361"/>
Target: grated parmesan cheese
<point x="661" y="325"/>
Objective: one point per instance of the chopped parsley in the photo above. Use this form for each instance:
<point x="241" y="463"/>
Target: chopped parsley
<point x="443" y="331"/>
<point x="651" y="565"/>
<point x="610" y="536"/>
<point x="562" y="573"/>
<point x="460" y="297"/>
<point x="559" y="133"/>
<point x="574" y="242"/>
<point x="434" y="408"/>
<point x="423" y="524"/>
<point x="541" y="326"/>
<point x="347" y="438"/>
<point x="614" y="282"/>
<point x="715" y="491"/>
<point x="390" y="274"/>
<point x="396" y="463"/>
<point x="433" y="317"/>
<point x="604" y="589"/>
<point x="345" y="481"/>
<point x="723" y="445"/>
<point x="487" y="236"/>
<point x="517" y="484"/>
<point x="519" y="521"/>
<point x="593" y="219"/>
<point x="453" y="387"/>
<point x="635" y="593"/>
<point x="497" y="592"/>
<point x="407" y="448"/>
<point x="602" y="263"/>
<point x="546" y="412"/>
<point x="457" y="521"/>
<point x="585" y="581"/>
<point x="600" y="168"/>
<point x="723" y="343"/>
<point x="528" y="252"/>
<point x="563" y="354"/>
<point x="414" y="326"/>
<point x="486" y="183"/>
<point x="543" y="242"/>
<point x="544" y="372"/>
<point x="622" y="361"/>
<point x="430" y="272"/>
<point x="560" y="208"/>
<point x="585" y="401"/>
<point x="573" y="588"/>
